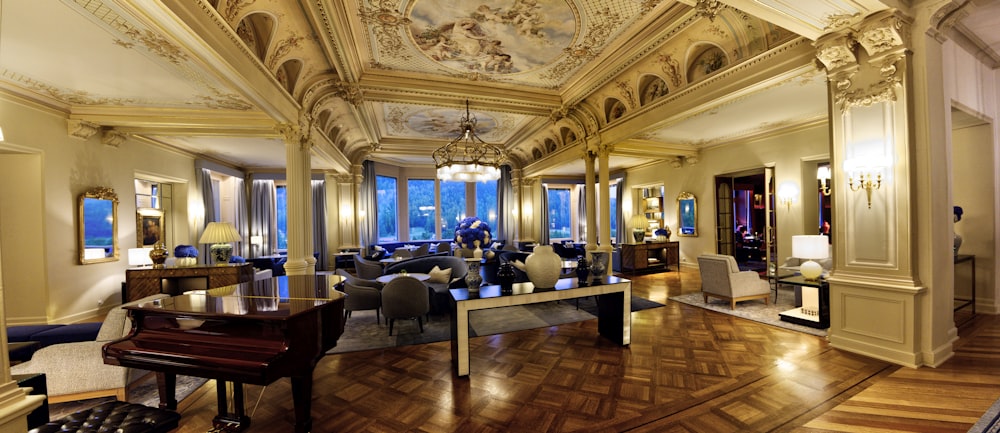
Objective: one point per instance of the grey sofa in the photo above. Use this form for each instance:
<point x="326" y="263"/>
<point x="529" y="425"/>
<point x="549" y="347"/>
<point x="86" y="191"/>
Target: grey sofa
<point x="438" y="291"/>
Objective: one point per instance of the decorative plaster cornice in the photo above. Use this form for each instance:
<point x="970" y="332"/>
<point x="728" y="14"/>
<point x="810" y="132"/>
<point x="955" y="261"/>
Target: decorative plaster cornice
<point x="113" y="137"/>
<point x="387" y="24"/>
<point x="81" y="129"/>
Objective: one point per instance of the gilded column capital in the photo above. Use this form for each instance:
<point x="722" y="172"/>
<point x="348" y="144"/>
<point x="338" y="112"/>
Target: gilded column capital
<point x="881" y="35"/>
<point x="836" y="51"/>
<point x="113" y="137"/>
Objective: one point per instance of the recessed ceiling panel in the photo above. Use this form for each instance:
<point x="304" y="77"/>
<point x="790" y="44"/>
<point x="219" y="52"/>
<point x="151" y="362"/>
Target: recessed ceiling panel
<point x="422" y="121"/>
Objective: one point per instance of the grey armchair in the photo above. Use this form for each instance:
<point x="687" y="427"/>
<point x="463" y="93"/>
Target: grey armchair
<point x="367" y="269"/>
<point x="721" y="278"/>
<point x="422" y="250"/>
<point x="76" y="371"/>
<point x="405" y="298"/>
<point x="361" y="295"/>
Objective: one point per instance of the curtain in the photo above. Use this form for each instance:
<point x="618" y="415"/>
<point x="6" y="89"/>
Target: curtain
<point x="263" y="215"/>
<point x="619" y="215"/>
<point x="581" y="211"/>
<point x="240" y="214"/>
<point x="543" y="234"/>
<point x="367" y="204"/>
<point x="505" y="202"/>
<point x="319" y="223"/>
<point x="208" y="199"/>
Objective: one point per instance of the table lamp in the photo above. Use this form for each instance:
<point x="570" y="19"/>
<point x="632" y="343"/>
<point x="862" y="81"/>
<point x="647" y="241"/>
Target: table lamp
<point x="638" y="223"/>
<point x="810" y="247"/>
<point x="139" y="257"/>
<point x="220" y="235"/>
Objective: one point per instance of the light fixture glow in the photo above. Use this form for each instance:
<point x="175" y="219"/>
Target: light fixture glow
<point x="788" y="193"/>
<point x="823" y="176"/>
<point x="220" y="234"/>
<point x="467" y="158"/>
<point x="866" y="174"/>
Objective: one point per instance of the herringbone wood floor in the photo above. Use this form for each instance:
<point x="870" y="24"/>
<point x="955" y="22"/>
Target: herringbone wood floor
<point x="687" y="370"/>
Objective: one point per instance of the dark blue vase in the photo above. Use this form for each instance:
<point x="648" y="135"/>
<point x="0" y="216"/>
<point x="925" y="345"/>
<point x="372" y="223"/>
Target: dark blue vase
<point x="582" y="271"/>
<point x="506" y="276"/>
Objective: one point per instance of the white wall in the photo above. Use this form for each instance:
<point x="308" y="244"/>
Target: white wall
<point x="68" y="167"/>
<point x="785" y="152"/>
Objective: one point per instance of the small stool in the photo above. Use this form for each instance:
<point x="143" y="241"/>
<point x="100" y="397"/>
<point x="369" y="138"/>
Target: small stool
<point x="114" y="416"/>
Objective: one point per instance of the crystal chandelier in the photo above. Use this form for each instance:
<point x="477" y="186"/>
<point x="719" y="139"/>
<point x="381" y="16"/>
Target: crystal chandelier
<point x="708" y="8"/>
<point x="467" y="157"/>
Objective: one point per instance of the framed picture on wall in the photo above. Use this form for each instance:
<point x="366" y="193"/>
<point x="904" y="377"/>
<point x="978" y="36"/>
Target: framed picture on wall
<point x="149" y="227"/>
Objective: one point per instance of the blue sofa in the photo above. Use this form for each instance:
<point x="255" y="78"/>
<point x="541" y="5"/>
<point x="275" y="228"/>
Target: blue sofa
<point x="47" y="335"/>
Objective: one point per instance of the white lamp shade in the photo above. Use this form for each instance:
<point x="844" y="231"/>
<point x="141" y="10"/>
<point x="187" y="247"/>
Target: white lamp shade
<point x="638" y="222"/>
<point x="812" y="247"/>
<point x="139" y="257"/>
<point x="220" y="233"/>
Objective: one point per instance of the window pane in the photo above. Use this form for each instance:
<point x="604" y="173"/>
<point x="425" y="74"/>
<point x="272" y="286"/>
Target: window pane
<point x="486" y="204"/>
<point x="281" y="196"/>
<point x="385" y="197"/>
<point x="559" y="213"/>
<point x="452" y="207"/>
<point x="421" y="207"/>
<point x="614" y="211"/>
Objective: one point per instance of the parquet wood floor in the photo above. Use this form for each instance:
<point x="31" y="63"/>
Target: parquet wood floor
<point x="687" y="370"/>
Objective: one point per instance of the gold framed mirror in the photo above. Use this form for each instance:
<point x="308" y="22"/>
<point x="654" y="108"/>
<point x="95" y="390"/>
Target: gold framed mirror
<point x="687" y="214"/>
<point x="97" y="233"/>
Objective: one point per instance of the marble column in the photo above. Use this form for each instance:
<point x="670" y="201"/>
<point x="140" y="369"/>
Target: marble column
<point x="299" y="187"/>
<point x="591" y="198"/>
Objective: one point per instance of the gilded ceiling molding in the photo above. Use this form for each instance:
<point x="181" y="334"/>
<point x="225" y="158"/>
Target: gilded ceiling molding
<point x="945" y="17"/>
<point x="113" y="137"/>
<point x="81" y="129"/>
<point x="836" y="50"/>
<point x="647" y="6"/>
<point x="226" y="101"/>
<point x="625" y="89"/>
<point x="671" y="67"/>
<point x="598" y="32"/>
<point x="387" y="24"/>
<point x="233" y="9"/>
<point x="840" y="21"/>
<point x="282" y="48"/>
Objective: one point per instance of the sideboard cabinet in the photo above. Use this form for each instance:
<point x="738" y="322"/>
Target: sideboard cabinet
<point x="142" y="282"/>
<point x="650" y="256"/>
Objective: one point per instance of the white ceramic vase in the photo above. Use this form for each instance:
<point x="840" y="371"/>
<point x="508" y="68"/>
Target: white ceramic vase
<point x="543" y="267"/>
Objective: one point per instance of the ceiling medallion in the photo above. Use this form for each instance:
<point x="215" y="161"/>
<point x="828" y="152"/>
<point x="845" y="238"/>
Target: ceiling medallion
<point x="467" y="158"/>
<point x="708" y="8"/>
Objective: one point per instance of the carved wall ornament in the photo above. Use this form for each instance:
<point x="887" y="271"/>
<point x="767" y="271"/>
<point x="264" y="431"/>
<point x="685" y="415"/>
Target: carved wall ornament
<point x="233" y="9"/>
<point x="671" y="67"/>
<point x="598" y="31"/>
<point x="113" y="137"/>
<point x="625" y="89"/>
<point x="836" y="51"/>
<point x="81" y="129"/>
<point x="881" y="35"/>
<point x="282" y="48"/>
<point x="882" y="91"/>
<point x="840" y="21"/>
<point x="692" y="159"/>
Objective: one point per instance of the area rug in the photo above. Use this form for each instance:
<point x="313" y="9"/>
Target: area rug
<point x="989" y="422"/>
<point x="753" y="310"/>
<point x="362" y="332"/>
<point x="144" y="392"/>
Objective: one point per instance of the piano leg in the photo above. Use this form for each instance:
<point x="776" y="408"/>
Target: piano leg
<point x="302" y="399"/>
<point x="227" y="421"/>
<point x="166" y="385"/>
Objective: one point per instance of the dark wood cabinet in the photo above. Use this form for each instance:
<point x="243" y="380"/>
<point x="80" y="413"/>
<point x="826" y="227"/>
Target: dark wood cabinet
<point x="142" y="282"/>
<point x="650" y="256"/>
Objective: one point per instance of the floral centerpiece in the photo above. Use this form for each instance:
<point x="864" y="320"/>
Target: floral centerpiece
<point x="472" y="233"/>
<point x="187" y="255"/>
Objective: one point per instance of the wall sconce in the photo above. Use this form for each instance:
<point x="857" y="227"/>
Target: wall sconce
<point x="788" y="193"/>
<point x="256" y="240"/>
<point x="823" y="176"/>
<point x="865" y="174"/>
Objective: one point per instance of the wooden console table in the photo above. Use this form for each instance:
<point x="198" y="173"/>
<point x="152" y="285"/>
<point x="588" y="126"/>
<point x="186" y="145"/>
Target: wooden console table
<point x="650" y="256"/>
<point x="142" y="282"/>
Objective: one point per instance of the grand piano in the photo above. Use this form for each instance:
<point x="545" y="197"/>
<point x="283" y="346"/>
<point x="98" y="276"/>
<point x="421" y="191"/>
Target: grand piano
<point x="246" y="333"/>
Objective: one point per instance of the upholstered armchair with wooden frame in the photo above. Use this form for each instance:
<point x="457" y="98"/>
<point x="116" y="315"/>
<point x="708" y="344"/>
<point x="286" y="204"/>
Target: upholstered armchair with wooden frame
<point x="721" y="278"/>
<point x="367" y="269"/>
<point x="361" y="295"/>
<point x="76" y="371"/>
<point x="405" y="298"/>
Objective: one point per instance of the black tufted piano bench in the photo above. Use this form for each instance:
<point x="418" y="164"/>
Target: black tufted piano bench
<point x="114" y="416"/>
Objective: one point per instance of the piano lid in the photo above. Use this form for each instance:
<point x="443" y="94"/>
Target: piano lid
<point x="285" y="296"/>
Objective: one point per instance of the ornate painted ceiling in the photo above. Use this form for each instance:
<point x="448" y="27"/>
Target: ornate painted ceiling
<point x="388" y="79"/>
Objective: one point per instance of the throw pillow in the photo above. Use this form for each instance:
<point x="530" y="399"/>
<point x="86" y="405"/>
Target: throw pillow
<point x="439" y="275"/>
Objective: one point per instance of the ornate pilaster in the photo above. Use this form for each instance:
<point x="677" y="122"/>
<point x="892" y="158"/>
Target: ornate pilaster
<point x="604" y="187"/>
<point x="348" y="186"/>
<point x="873" y="92"/>
<point x="530" y="198"/>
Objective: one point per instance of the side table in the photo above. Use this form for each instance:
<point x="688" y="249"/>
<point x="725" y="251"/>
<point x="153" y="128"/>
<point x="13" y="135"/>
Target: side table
<point x="815" y="309"/>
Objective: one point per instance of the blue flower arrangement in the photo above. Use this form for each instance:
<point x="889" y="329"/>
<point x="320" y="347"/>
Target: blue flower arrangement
<point x="185" y="251"/>
<point x="958" y="213"/>
<point x="237" y="259"/>
<point x="472" y="232"/>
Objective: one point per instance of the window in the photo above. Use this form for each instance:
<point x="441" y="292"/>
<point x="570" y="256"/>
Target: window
<point x="281" y="205"/>
<point x="614" y="210"/>
<point x="423" y="214"/>
<point x="385" y="198"/>
<point x="452" y="207"/>
<point x="560" y="214"/>
<point x="486" y="203"/>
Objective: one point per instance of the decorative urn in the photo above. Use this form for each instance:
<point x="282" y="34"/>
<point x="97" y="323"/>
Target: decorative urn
<point x="543" y="267"/>
<point x="506" y="277"/>
<point x="582" y="270"/>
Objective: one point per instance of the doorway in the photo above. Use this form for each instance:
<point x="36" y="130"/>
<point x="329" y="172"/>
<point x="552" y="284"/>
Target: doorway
<point x="745" y="218"/>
